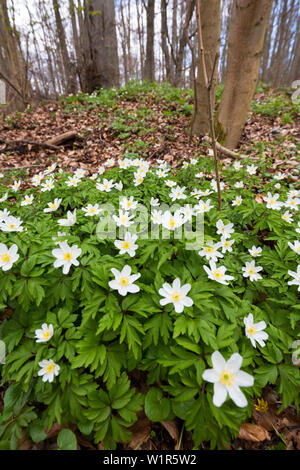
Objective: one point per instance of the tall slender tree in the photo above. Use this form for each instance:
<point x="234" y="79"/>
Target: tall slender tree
<point x="101" y="55"/>
<point x="12" y="65"/>
<point x="68" y="65"/>
<point x="211" y="30"/>
<point x="246" y="36"/>
<point x="149" y="67"/>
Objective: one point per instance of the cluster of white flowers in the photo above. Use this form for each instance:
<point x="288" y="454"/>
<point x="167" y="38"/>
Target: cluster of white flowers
<point x="225" y="375"/>
<point x="210" y="251"/>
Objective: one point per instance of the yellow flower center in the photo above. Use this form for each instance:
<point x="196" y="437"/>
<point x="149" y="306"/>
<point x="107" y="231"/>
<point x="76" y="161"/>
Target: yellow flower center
<point x="124" y="281"/>
<point x="67" y="256"/>
<point x="227" y="243"/>
<point x="5" y="258"/>
<point x="176" y="296"/>
<point x="227" y="378"/>
<point x="172" y="223"/>
<point x="218" y="274"/>
<point x="129" y="203"/>
<point x="205" y="207"/>
<point x="52" y="206"/>
<point x="50" y="368"/>
<point x="12" y="226"/>
<point x="251" y="271"/>
<point x="252" y="330"/>
<point x="209" y="249"/>
<point x="126" y="245"/>
<point x="123" y="219"/>
<point x="47" y="334"/>
<point x="92" y="210"/>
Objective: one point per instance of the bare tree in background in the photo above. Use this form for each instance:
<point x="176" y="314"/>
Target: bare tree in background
<point x="149" y="67"/>
<point x="12" y="65"/>
<point x="68" y="65"/>
<point x="246" y="36"/>
<point x="211" y="30"/>
<point x="101" y="55"/>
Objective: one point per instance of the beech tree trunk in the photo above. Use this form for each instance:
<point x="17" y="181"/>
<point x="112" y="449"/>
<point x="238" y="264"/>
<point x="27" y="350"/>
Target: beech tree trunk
<point x="178" y="58"/>
<point x="68" y="66"/>
<point x="211" y="29"/>
<point x="102" y="62"/>
<point x="246" y="37"/>
<point x="164" y="44"/>
<point x="12" y="66"/>
<point x="149" y="68"/>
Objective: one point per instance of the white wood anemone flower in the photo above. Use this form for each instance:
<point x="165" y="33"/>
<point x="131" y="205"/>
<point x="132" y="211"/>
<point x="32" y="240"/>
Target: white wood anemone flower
<point x="295" y="247"/>
<point x="177" y="193"/>
<point x="92" y="210"/>
<point x="254" y="331"/>
<point x="8" y="256"/>
<point x="127" y="245"/>
<point x="251" y="271"/>
<point x="176" y="294"/>
<point x="27" y="201"/>
<point x="11" y="224"/>
<point x="44" y="334"/>
<point x="128" y="203"/>
<point x="4" y="214"/>
<point x="172" y="221"/>
<point x="227" y="379"/>
<point x="124" y="281"/>
<point x="123" y="219"/>
<point x="210" y="251"/>
<point x="53" y="206"/>
<point x="287" y="217"/>
<point x="217" y="273"/>
<point x="48" y="370"/>
<point x="4" y="197"/>
<point x="66" y="256"/>
<point x="224" y="230"/>
<point x="106" y="185"/>
<point x="226" y="244"/>
<point x="69" y="221"/>
<point x="296" y="276"/>
<point x="255" y="251"/>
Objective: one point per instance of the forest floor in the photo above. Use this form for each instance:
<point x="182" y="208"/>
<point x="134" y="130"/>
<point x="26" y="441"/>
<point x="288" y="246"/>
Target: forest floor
<point x="153" y="123"/>
<point x="147" y="122"/>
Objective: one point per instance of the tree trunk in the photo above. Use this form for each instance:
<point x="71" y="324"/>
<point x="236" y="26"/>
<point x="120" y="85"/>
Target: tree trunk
<point x="247" y="30"/>
<point x="102" y="68"/>
<point x="178" y="58"/>
<point x="211" y="29"/>
<point x="149" y="68"/>
<point x="12" y="65"/>
<point x="164" y="45"/>
<point x="141" y="38"/>
<point x="68" y="66"/>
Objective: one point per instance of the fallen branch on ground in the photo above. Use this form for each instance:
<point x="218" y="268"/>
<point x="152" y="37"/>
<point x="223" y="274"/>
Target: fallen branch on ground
<point x="61" y="138"/>
<point x="223" y="150"/>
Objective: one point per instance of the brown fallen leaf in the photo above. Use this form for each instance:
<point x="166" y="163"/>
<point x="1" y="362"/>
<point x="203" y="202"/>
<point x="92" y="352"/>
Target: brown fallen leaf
<point x="259" y="199"/>
<point x="253" y="432"/>
<point x="141" y="430"/>
<point x="172" y="428"/>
